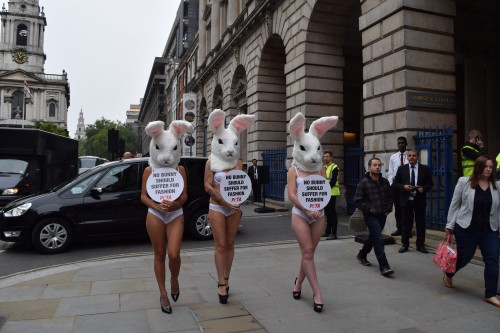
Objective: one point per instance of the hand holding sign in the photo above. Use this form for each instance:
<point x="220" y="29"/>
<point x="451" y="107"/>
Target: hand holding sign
<point x="165" y="184"/>
<point x="314" y="192"/>
<point x="235" y="187"/>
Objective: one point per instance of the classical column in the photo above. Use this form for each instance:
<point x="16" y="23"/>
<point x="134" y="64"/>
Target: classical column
<point x="202" y="33"/>
<point x="232" y="12"/>
<point x="215" y="24"/>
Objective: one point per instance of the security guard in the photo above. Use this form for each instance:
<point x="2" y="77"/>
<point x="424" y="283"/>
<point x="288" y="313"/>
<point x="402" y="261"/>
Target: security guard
<point x="332" y="175"/>
<point x="471" y="150"/>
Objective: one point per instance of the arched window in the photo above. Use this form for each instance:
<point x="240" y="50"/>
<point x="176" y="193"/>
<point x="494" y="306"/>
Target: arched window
<point x="17" y="105"/>
<point x="22" y="35"/>
<point x="52" y="109"/>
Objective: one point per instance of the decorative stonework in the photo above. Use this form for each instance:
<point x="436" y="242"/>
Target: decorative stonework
<point x="269" y="22"/>
<point x="236" y="53"/>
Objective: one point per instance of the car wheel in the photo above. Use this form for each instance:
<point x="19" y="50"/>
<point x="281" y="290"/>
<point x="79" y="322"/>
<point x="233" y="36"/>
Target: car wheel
<point x="52" y="235"/>
<point x="199" y="227"/>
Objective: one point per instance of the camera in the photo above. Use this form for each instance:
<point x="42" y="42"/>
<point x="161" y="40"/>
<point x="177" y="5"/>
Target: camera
<point x="414" y="188"/>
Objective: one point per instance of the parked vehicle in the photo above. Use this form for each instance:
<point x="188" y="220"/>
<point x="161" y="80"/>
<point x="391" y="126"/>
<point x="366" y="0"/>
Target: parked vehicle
<point x="102" y="202"/>
<point x="88" y="162"/>
<point x="33" y="161"/>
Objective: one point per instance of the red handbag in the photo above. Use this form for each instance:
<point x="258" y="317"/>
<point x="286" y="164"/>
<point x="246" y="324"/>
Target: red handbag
<point x="446" y="255"/>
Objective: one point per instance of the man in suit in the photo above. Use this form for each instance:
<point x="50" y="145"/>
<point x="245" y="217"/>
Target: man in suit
<point x="397" y="159"/>
<point x="413" y="181"/>
<point x="253" y="173"/>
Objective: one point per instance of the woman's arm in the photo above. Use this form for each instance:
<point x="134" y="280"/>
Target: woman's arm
<point x="209" y="180"/>
<point x="456" y="203"/>
<point x="145" y="199"/>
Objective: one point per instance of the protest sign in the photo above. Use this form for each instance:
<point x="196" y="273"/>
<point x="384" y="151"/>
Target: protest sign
<point x="165" y="184"/>
<point x="235" y="187"/>
<point x="314" y="192"/>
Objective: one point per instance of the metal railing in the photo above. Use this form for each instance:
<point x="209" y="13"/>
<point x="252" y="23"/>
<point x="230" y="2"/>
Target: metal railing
<point x="275" y="160"/>
<point x="435" y="148"/>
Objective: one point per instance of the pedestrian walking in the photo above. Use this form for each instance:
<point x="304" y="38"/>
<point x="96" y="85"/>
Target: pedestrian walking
<point x="374" y="198"/>
<point x="474" y="218"/>
<point x="307" y="225"/>
<point x="165" y="219"/>
<point x="224" y="217"/>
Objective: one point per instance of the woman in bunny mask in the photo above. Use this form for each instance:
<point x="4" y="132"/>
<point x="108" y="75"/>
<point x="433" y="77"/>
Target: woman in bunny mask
<point x="307" y="225"/>
<point x="165" y="220"/>
<point x="224" y="217"/>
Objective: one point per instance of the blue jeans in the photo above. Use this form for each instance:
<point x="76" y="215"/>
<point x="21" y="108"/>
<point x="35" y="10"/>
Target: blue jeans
<point x="489" y="244"/>
<point x="375" y="225"/>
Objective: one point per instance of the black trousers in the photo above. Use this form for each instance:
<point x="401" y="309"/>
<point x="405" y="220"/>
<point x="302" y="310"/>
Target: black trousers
<point x="331" y="216"/>
<point x="412" y="211"/>
<point x="398" y="214"/>
<point x="256" y="190"/>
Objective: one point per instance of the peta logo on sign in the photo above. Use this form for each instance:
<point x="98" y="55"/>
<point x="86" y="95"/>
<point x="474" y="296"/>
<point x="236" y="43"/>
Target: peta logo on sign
<point x="314" y="192"/>
<point x="165" y="184"/>
<point x="235" y="187"/>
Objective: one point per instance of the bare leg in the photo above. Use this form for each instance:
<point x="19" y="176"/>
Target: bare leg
<point x="308" y="236"/>
<point x="218" y="224"/>
<point x="157" y="233"/>
<point x="174" y="240"/>
<point x="232" y="223"/>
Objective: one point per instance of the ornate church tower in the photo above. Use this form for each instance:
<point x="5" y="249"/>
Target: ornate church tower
<point x="27" y="94"/>
<point x="80" y="128"/>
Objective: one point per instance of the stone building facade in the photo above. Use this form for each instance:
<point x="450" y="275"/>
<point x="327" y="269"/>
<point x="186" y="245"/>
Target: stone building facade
<point x="364" y="61"/>
<point x="387" y="68"/>
<point x="22" y="59"/>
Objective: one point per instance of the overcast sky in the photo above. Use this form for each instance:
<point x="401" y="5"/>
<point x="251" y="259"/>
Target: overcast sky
<point x="107" y="47"/>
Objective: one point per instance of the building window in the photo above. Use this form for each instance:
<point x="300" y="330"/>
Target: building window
<point x="52" y="110"/>
<point x="17" y="105"/>
<point x="22" y="35"/>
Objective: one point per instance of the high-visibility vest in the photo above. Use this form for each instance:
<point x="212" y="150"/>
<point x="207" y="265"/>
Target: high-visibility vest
<point x="329" y="171"/>
<point x="468" y="165"/>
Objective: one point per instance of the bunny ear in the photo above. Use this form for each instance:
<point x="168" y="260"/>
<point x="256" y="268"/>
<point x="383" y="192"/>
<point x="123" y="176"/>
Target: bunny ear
<point x="155" y="128"/>
<point x="241" y="122"/>
<point x="179" y="127"/>
<point x="320" y="126"/>
<point x="296" y="126"/>
<point x="216" y="120"/>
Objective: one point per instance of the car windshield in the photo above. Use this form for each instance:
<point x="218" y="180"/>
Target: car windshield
<point x="13" y="166"/>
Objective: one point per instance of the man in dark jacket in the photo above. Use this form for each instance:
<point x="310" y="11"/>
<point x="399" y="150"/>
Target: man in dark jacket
<point x="374" y="198"/>
<point x="412" y="182"/>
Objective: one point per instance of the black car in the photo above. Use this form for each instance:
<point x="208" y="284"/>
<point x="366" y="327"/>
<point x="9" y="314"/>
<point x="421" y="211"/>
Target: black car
<point x="102" y="202"/>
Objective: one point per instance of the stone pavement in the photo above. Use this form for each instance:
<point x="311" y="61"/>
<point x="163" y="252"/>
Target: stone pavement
<point x="120" y="295"/>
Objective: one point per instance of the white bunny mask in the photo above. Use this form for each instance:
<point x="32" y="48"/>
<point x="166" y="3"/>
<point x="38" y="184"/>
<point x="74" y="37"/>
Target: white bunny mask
<point x="165" y="148"/>
<point x="225" y="147"/>
<point x="307" y="151"/>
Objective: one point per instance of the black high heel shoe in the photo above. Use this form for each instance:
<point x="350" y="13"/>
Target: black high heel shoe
<point x="165" y="304"/>
<point x="175" y="296"/>
<point x="296" y="294"/>
<point x="223" y="298"/>
<point x="317" y="307"/>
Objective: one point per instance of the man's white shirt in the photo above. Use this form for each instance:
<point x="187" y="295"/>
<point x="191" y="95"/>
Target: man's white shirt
<point x="394" y="163"/>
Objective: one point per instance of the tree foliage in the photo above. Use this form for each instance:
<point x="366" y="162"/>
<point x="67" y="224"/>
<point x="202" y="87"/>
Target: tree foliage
<point x="50" y="127"/>
<point x="96" y="141"/>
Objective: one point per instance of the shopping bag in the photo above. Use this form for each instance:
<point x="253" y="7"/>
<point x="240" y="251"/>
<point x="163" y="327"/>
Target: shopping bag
<point x="446" y="255"/>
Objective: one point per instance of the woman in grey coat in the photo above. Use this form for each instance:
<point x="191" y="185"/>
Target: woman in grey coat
<point x="474" y="218"/>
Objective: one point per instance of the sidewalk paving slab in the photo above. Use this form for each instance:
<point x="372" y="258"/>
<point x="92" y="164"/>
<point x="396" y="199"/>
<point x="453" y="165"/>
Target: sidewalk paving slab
<point x="121" y="295"/>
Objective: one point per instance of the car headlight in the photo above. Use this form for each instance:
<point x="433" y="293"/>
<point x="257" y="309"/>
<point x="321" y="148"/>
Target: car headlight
<point x="18" y="211"/>
<point x="10" y="191"/>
